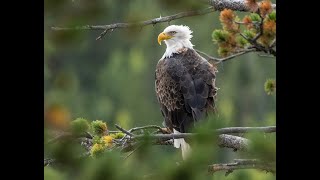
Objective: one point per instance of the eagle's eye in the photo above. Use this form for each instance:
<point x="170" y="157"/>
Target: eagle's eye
<point x="173" y="32"/>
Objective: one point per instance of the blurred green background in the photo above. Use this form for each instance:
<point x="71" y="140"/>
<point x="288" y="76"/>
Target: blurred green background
<point x="113" y="79"/>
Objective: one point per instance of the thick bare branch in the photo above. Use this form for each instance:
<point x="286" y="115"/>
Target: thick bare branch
<point x="224" y="140"/>
<point x="236" y="5"/>
<point x="228" y="130"/>
<point x="165" y="137"/>
<point x="242" y="164"/>
<point x="234" y="142"/>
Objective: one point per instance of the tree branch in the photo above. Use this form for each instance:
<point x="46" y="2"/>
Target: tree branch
<point x="145" y="127"/>
<point x="236" y="5"/>
<point x="224" y="140"/>
<point x="257" y="45"/>
<point x="267" y="129"/>
<point x="234" y="142"/>
<point x="140" y="24"/>
<point x="124" y="131"/>
<point x="219" y="60"/>
<point x="242" y="164"/>
<point x="273" y="44"/>
<point x="131" y="141"/>
<point x="215" y="5"/>
<point x="254" y="40"/>
<point x="268" y="56"/>
<point x="228" y="141"/>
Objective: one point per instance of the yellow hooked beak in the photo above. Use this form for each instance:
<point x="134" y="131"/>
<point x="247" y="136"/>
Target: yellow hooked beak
<point x="163" y="36"/>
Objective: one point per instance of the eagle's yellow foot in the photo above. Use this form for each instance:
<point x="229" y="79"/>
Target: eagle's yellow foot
<point x="165" y="131"/>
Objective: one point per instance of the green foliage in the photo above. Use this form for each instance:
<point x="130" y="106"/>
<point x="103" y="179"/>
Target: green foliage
<point x="255" y="17"/>
<point x="107" y="140"/>
<point x="79" y="126"/>
<point x="222" y="51"/>
<point x="237" y="19"/>
<point x="97" y="149"/>
<point x="241" y="41"/>
<point x="99" y="127"/>
<point x="229" y="39"/>
<point x="272" y="16"/>
<point x="270" y="86"/>
<point x="249" y="34"/>
<point x="97" y="140"/>
<point x="117" y="135"/>
<point x="219" y="36"/>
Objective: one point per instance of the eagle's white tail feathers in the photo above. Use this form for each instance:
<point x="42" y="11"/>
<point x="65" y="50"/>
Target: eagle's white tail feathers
<point x="181" y="143"/>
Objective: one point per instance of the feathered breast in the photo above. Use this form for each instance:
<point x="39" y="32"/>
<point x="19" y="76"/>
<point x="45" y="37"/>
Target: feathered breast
<point x="185" y="88"/>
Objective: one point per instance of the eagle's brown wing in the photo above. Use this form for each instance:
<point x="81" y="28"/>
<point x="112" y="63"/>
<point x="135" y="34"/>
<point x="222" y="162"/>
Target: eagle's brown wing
<point x="185" y="88"/>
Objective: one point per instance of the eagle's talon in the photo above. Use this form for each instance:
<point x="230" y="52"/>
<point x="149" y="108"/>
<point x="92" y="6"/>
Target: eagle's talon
<point x="165" y="131"/>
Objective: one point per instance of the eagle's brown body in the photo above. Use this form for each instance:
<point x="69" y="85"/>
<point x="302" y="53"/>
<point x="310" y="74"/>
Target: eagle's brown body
<point x="185" y="88"/>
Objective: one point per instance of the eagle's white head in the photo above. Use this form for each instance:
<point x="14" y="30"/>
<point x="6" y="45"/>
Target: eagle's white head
<point x="175" y="37"/>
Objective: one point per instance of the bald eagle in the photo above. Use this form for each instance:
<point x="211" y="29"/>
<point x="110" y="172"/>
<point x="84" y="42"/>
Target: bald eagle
<point x="184" y="84"/>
